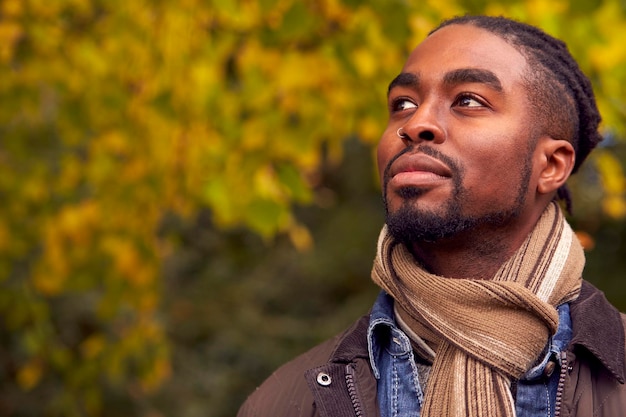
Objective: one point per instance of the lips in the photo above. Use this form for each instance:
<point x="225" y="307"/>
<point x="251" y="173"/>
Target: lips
<point x="419" y="165"/>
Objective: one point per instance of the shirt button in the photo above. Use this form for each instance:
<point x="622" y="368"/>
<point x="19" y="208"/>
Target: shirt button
<point x="549" y="369"/>
<point x="324" y="379"/>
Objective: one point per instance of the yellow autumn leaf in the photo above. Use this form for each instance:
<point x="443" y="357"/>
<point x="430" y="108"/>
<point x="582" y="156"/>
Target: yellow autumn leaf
<point x="365" y="62"/>
<point x="335" y="10"/>
<point x="266" y="183"/>
<point x="48" y="279"/>
<point x="445" y="8"/>
<point x="11" y="8"/>
<point x="127" y="261"/>
<point x="614" y="184"/>
<point x="611" y="173"/>
<point x="9" y="34"/>
<point x="614" y="206"/>
<point x="607" y="55"/>
<point x="300" y="237"/>
<point x="29" y="375"/>
<point x="159" y="371"/>
<point x="370" y="130"/>
<point x="93" y="346"/>
<point x="76" y="222"/>
<point x="420" y="27"/>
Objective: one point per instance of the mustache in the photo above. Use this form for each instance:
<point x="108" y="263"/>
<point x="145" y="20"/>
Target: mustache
<point x="455" y="167"/>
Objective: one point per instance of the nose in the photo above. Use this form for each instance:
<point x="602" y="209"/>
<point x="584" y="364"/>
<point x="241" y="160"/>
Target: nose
<point x="424" y="125"/>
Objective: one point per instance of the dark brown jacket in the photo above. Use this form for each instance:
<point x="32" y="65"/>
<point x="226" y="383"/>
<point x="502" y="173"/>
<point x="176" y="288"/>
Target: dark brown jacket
<point x="334" y="379"/>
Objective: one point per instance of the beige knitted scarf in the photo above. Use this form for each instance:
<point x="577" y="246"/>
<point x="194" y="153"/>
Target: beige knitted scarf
<point x="489" y="332"/>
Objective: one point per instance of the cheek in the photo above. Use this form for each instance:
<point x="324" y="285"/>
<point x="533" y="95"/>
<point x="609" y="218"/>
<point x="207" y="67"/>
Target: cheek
<point x="496" y="171"/>
<point x="500" y="181"/>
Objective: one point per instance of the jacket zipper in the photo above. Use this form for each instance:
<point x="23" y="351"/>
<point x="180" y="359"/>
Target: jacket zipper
<point x="352" y="391"/>
<point x="561" y="386"/>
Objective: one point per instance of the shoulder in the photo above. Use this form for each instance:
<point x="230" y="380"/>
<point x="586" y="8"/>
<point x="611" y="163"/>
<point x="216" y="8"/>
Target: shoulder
<point x="599" y="330"/>
<point x="286" y="392"/>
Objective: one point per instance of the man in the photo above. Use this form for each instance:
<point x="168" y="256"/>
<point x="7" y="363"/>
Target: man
<point x="483" y="310"/>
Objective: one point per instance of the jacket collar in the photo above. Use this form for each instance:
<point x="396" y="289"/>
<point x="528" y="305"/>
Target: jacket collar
<point x="353" y="344"/>
<point x="597" y="326"/>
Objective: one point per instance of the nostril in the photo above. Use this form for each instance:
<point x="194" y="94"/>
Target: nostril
<point x="427" y="135"/>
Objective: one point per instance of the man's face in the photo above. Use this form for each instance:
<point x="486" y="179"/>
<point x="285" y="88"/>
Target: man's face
<point x="462" y="100"/>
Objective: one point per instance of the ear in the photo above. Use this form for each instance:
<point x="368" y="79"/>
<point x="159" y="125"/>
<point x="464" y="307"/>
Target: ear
<point x="557" y="161"/>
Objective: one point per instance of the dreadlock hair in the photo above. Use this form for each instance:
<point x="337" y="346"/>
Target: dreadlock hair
<point x="561" y="95"/>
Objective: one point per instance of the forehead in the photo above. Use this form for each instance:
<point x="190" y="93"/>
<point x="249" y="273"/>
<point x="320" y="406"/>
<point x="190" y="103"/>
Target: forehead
<point x="464" y="46"/>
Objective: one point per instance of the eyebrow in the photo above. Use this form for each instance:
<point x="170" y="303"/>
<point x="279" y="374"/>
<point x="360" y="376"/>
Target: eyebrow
<point x="472" y="75"/>
<point x="404" y="79"/>
<point x="452" y="78"/>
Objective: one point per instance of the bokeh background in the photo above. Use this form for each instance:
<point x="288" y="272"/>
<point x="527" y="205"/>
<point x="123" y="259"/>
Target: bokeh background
<point x="188" y="194"/>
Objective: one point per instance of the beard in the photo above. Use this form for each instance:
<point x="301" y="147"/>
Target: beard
<point x="410" y="223"/>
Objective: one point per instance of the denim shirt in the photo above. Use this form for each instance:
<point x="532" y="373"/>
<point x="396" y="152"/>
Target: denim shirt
<point x="395" y="368"/>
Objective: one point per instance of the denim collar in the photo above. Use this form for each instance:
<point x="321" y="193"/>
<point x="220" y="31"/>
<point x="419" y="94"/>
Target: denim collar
<point x="381" y="316"/>
<point x="382" y="321"/>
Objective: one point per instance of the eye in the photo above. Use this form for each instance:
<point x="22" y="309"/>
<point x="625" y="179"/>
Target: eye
<point x="401" y="104"/>
<point x="469" y="100"/>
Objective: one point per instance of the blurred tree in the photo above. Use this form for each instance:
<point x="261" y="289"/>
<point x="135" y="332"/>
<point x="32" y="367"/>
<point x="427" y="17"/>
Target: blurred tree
<point x="156" y="159"/>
